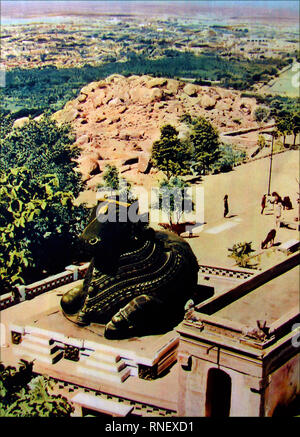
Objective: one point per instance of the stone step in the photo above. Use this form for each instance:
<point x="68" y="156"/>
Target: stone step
<point x="30" y="345"/>
<point x="104" y="374"/>
<point x="39" y="357"/>
<point x="94" y="363"/>
<point x="106" y="356"/>
<point x="132" y="366"/>
<point x="38" y="338"/>
<point x="105" y="406"/>
<point x="166" y="362"/>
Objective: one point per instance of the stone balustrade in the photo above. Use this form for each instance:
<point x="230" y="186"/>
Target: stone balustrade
<point x="26" y="292"/>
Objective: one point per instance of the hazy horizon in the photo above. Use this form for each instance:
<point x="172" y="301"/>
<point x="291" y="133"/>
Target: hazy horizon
<point x="231" y="8"/>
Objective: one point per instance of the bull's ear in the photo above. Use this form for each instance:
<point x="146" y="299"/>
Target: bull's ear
<point x="102" y="210"/>
<point x="93" y="214"/>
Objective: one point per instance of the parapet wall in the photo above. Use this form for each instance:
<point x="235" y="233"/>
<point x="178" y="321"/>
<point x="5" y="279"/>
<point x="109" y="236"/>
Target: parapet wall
<point x="215" y="303"/>
<point x="26" y="292"/>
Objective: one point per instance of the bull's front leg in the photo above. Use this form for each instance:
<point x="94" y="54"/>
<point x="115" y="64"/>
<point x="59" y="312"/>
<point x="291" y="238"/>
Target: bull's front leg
<point x="139" y="317"/>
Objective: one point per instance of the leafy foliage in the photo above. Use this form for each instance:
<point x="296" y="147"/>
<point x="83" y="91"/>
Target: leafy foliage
<point x="228" y="158"/>
<point x="111" y="177"/>
<point x="287" y="124"/>
<point x="205" y="141"/>
<point x="116" y="184"/>
<point x="295" y="121"/>
<point x="240" y="252"/>
<point x="173" y="198"/>
<point x="6" y="122"/>
<point x="262" y="113"/>
<point x="38" y="225"/>
<point x="279" y="106"/>
<point x="170" y="154"/>
<point x="21" y="395"/>
<point x="45" y="148"/>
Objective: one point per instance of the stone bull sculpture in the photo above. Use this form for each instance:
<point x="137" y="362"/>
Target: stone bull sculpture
<point x="138" y="280"/>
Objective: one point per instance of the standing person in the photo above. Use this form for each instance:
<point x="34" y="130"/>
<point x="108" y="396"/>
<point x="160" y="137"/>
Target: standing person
<point x="226" y="209"/>
<point x="263" y="203"/>
<point x="277" y="212"/>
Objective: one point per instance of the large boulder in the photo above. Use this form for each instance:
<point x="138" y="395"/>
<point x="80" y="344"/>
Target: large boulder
<point x="144" y="163"/>
<point x="91" y="87"/>
<point x="191" y="90"/>
<point x="173" y="86"/>
<point x="207" y="102"/>
<point x="88" y="167"/>
<point x="156" y="82"/>
<point x="82" y="97"/>
<point x="223" y="105"/>
<point x="20" y="122"/>
<point x="69" y="115"/>
<point x="143" y="95"/>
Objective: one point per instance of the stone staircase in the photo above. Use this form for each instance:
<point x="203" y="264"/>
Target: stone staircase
<point x="97" y="364"/>
<point x="104" y="365"/>
<point x="94" y="360"/>
<point x="39" y="347"/>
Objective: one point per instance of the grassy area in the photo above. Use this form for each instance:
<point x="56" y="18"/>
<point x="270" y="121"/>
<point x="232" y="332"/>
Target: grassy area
<point x="283" y="85"/>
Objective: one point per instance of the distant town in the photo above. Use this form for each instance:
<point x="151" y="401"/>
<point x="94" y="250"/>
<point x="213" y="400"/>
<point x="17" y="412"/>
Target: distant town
<point x="75" y="43"/>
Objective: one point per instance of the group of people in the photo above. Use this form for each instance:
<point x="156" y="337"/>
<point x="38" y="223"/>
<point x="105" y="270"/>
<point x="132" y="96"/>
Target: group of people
<point x="278" y="204"/>
<point x="276" y="201"/>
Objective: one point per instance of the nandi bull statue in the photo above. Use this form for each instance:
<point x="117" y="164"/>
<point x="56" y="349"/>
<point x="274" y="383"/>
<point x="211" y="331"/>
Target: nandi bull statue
<point x="138" y="280"/>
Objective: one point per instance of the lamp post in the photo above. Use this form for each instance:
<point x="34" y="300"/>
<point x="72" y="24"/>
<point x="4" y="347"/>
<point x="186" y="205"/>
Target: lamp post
<point x="271" y="160"/>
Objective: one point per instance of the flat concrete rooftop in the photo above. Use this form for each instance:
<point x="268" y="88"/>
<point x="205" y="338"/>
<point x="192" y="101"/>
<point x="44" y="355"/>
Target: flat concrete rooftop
<point x="268" y="302"/>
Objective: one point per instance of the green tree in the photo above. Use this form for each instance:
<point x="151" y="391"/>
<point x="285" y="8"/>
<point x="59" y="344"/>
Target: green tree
<point x="111" y="177"/>
<point x="295" y="125"/>
<point x="6" y="122"/>
<point x="39" y="225"/>
<point x="284" y="127"/>
<point x="170" y="154"/>
<point x="45" y="148"/>
<point x="114" y="182"/>
<point x="228" y="158"/>
<point x="205" y="141"/>
<point x="173" y="198"/>
<point x="261" y="114"/>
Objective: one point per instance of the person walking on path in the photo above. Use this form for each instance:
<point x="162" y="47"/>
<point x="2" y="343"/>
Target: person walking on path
<point x="226" y="209"/>
<point x="263" y="203"/>
<point x="277" y="212"/>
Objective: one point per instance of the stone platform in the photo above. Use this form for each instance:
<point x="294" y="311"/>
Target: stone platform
<point x="135" y="368"/>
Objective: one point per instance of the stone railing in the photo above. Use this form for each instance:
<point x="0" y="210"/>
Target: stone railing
<point x="224" y="272"/>
<point x="7" y="300"/>
<point x="73" y="273"/>
<point x="25" y="292"/>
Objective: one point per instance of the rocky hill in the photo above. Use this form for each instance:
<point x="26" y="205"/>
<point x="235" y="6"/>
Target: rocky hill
<point x="116" y="120"/>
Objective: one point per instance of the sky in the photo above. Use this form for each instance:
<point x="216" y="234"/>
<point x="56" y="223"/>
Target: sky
<point x="240" y="7"/>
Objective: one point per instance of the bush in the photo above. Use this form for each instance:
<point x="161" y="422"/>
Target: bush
<point x="262" y="113"/>
<point x="21" y="395"/>
<point x="240" y="252"/>
<point x="229" y="158"/>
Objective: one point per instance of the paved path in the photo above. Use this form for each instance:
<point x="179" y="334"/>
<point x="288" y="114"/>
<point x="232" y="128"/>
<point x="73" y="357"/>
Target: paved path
<point x="245" y="187"/>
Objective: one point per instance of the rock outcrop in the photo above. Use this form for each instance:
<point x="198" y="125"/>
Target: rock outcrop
<point x="116" y="120"/>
